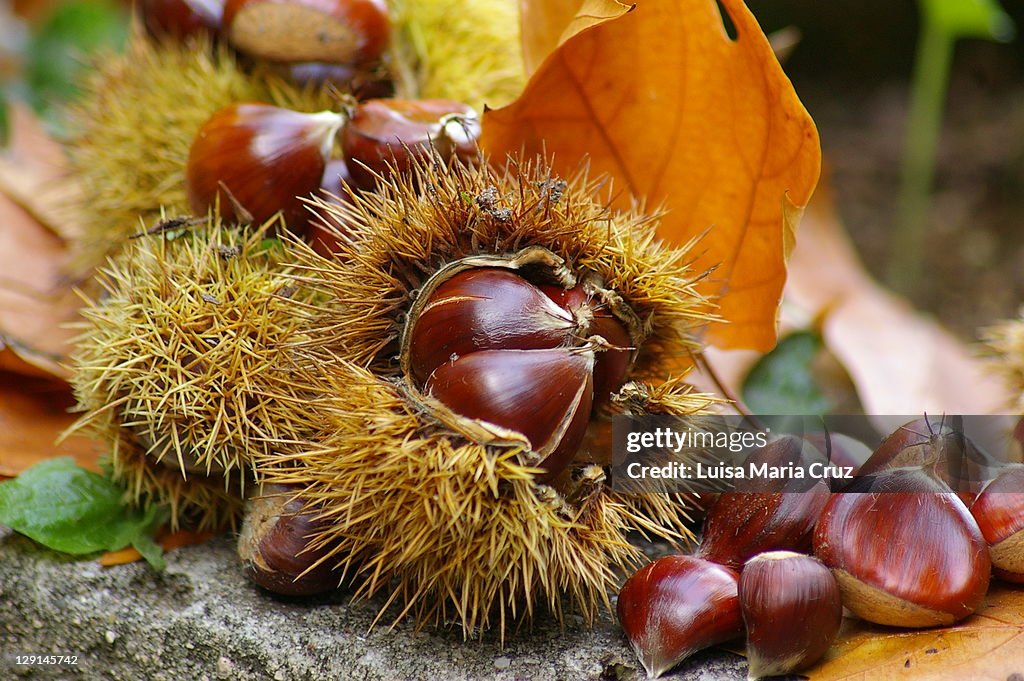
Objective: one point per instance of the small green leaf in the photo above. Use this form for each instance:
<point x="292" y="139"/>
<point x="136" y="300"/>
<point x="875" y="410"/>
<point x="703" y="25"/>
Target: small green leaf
<point x="72" y="510"/>
<point x="969" y="19"/>
<point x="782" y="383"/>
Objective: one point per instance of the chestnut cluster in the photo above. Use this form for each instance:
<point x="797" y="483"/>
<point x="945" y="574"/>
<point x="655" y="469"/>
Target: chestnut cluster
<point x="894" y="546"/>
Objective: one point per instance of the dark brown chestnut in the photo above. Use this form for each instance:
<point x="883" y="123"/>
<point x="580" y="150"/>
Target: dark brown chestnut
<point x="546" y="395"/>
<point x="904" y="549"/>
<point x="261" y="158"/>
<point x="385" y="135"/>
<point x="180" y="19"/>
<point x="742" y="524"/>
<point x="677" y="606"/>
<point x="999" y="510"/>
<point x="274" y="545"/>
<point x="792" y="611"/>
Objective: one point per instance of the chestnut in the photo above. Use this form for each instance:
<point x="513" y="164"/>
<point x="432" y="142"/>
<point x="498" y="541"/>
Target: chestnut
<point x="180" y="19"/>
<point x="330" y="31"/>
<point x="999" y="510"/>
<point x="741" y="524"/>
<point x="274" y="545"/>
<point x="384" y="135"/>
<point x="257" y="160"/>
<point x="792" y="611"/>
<point x="905" y="550"/>
<point x="677" y="606"/>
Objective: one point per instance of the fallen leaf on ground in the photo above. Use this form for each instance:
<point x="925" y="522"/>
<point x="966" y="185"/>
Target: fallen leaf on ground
<point x="33" y="413"/>
<point x="168" y="541"/>
<point x="708" y="126"/>
<point x="36" y="300"/>
<point x="988" y="645"/>
<point x="34" y="174"/>
<point x="900" y="361"/>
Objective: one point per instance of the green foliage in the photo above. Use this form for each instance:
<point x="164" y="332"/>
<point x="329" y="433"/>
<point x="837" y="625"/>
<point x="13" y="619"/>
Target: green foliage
<point x="72" y="510"/>
<point x="968" y="19"/>
<point x="943" y="23"/>
<point x="55" y="56"/>
<point x="782" y="382"/>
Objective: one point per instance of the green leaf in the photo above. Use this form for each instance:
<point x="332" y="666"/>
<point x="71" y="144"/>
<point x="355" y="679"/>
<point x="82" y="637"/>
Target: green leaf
<point x="72" y="510"/>
<point x="969" y="19"/>
<point x="782" y="383"/>
<point x="56" y="54"/>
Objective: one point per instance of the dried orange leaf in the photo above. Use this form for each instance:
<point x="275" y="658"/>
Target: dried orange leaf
<point x="900" y="361"/>
<point x="989" y="645"/>
<point x="35" y="299"/>
<point x="33" y="413"/>
<point x="677" y="113"/>
<point x="546" y="24"/>
<point x="33" y="174"/>
<point x="168" y="541"/>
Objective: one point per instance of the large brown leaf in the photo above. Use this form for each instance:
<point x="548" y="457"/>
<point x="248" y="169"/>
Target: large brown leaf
<point x="677" y="113"/>
<point x="988" y="645"/>
<point x="33" y="413"/>
<point x="36" y="301"/>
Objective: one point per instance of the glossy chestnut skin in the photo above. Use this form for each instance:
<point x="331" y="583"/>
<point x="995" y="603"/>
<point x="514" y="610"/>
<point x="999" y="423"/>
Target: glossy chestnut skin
<point x="792" y="611"/>
<point x="385" y="135"/>
<point x="742" y="524"/>
<point x="999" y="510"/>
<point x="677" y="606"/>
<point x="263" y="157"/>
<point x="274" y="546"/>
<point x="546" y="395"/>
<point x="492" y="346"/>
<point x="486" y="308"/>
<point x="329" y="31"/>
<point x="180" y="19"/>
<point x="905" y="551"/>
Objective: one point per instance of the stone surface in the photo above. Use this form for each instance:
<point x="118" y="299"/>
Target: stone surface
<point x="201" y="620"/>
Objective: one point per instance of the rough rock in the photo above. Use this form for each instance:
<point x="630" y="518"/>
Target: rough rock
<point x="201" y="620"/>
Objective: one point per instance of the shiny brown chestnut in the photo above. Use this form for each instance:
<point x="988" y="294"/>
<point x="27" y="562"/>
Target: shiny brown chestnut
<point x="677" y="606"/>
<point x="329" y="31"/>
<point x="999" y="510"/>
<point x="792" y="611"/>
<point x="180" y="19"/>
<point x="385" y="135"/>
<point x="905" y="550"/>
<point x="274" y="545"/>
<point x="742" y="524"/>
<point x="260" y="158"/>
<point x="545" y="395"/>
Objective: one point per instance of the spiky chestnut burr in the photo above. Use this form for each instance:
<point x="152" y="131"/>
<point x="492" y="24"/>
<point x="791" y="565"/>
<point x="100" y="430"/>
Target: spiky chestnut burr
<point x="131" y="131"/>
<point x="255" y="160"/>
<point x="329" y="31"/>
<point x="677" y="606"/>
<point x="792" y="611"/>
<point x="449" y="512"/>
<point x="741" y="524"/>
<point x="184" y="366"/>
<point x="905" y="550"/>
<point x="999" y="510"/>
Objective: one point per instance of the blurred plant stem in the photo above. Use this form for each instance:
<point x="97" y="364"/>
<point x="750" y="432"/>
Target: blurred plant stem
<point x="943" y="22"/>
